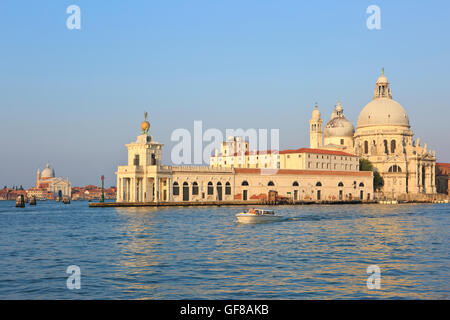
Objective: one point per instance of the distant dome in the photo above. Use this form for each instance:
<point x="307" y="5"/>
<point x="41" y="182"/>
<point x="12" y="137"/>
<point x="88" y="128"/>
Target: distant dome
<point x="383" y="111"/>
<point x="48" y="172"/>
<point x="339" y="127"/>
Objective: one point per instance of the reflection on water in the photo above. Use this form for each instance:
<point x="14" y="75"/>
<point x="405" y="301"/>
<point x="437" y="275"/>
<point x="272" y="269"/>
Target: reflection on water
<point x="202" y="253"/>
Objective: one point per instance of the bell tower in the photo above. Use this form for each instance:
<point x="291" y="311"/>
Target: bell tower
<point x="316" y="129"/>
<point x="145" y="151"/>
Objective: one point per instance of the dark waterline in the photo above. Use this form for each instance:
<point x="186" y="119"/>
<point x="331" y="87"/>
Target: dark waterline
<point x="320" y="252"/>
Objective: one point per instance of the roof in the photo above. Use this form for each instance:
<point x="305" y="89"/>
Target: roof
<point x="301" y="150"/>
<point x="318" y="151"/>
<point x="444" y="165"/>
<point x="303" y="172"/>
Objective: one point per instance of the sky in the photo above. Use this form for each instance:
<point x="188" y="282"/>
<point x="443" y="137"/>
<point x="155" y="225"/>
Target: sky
<point x="74" y="98"/>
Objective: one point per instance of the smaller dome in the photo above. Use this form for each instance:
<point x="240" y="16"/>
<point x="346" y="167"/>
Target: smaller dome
<point x="48" y="172"/>
<point x="339" y="108"/>
<point x="339" y="127"/>
<point x="316" y="113"/>
<point x="382" y="79"/>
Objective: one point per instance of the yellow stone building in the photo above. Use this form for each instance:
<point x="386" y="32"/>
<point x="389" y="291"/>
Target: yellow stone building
<point x="236" y="174"/>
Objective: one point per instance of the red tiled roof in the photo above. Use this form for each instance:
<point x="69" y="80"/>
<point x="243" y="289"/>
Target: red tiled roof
<point x="319" y="151"/>
<point x="301" y="150"/>
<point x="443" y="165"/>
<point x="303" y="172"/>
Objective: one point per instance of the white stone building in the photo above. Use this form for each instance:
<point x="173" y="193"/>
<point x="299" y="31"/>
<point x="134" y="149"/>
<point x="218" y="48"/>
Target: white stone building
<point x="383" y="135"/>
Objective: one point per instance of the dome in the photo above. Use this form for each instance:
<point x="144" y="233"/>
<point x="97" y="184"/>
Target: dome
<point x="316" y="113"/>
<point x="339" y="127"/>
<point x="383" y="111"/>
<point x="382" y="79"/>
<point x="48" y="172"/>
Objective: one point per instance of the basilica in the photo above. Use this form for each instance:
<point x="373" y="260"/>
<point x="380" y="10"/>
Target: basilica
<point x="383" y="135"/>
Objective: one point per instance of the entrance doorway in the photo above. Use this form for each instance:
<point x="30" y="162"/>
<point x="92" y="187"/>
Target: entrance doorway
<point x="185" y="191"/>
<point x="219" y="191"/>
<point x="245" y="195"/>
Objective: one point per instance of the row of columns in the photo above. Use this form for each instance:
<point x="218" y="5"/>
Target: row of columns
<point x="428" y="177"/>
<point x="137" y="189"/>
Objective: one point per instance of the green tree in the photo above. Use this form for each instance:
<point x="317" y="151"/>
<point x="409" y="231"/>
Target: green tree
<point x="366" y="165"/>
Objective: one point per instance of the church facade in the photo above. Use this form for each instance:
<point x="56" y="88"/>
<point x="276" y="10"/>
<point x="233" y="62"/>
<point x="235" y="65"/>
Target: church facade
<point x="383" y="135"/>
<point x="48" y="186"/>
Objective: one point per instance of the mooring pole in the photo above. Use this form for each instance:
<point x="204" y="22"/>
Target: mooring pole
<point x="102" y="199"/>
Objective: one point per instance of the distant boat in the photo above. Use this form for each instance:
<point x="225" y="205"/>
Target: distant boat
<point x="388" y="202"/>
<point x="258" y="216"/>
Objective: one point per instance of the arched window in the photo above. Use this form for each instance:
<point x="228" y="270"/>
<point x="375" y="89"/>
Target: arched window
<point x="340" y="184"/>
<point x="210" y="188"/>
<point x="386" y="148"/>
<point x="361" y="185"/>
<point x="176" y="189"/>
<point x="395" y="168"/>
<point x="227" y="188"/>
<point x="393" y="145"/>
<point x="271" y="184"/>
<point x="318" y="184"/>
<point x="244" y="183"/>
<point x="366" y="147"/>
<point x="195" y="188"/>
<point x="295" y="184"/>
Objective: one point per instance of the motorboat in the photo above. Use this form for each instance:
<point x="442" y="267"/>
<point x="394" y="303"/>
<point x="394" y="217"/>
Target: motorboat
<point x="258" y="216"/>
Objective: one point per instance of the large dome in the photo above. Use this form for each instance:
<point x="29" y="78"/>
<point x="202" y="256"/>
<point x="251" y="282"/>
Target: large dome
<point x="48" y="172"/>
<point x="339" y="127"/>
<point x="383" y="111"/>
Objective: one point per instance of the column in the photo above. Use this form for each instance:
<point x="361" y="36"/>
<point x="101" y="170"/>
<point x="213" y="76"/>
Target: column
<point x="127" y="187"/>
<point x="132" y="189"/>
<point x="144" y="189"/>
<point x="118" y="189"/>
<point x="419" y="175"/>
<point x="433" y="178"/>
<point x="169" y="189"/>
<point x="427" y="179"/>
<point x="157" y="189"/>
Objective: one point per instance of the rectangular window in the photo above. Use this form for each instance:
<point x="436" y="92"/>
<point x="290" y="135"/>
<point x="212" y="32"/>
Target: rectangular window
<point x="136" y="160"/>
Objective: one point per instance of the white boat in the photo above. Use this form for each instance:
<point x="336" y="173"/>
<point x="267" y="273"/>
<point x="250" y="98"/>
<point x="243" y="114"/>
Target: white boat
<point x="257" y="216"/>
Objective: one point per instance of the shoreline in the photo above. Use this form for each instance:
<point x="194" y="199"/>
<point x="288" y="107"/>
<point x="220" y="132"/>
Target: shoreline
<point x="237" y="203"/>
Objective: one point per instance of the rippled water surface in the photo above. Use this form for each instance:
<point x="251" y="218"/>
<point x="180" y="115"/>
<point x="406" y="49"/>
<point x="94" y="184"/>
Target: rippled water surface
<point x="202" y="253"/>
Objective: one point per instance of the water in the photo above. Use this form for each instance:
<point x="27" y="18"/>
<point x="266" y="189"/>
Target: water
<point x="320" y="252"/>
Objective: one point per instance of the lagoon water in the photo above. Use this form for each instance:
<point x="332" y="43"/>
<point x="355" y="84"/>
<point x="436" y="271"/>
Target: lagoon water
<point x="319" y="252"/>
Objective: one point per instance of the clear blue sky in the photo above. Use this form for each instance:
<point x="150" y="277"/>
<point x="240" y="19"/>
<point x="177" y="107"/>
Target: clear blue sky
<point x="75" y="97"/>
